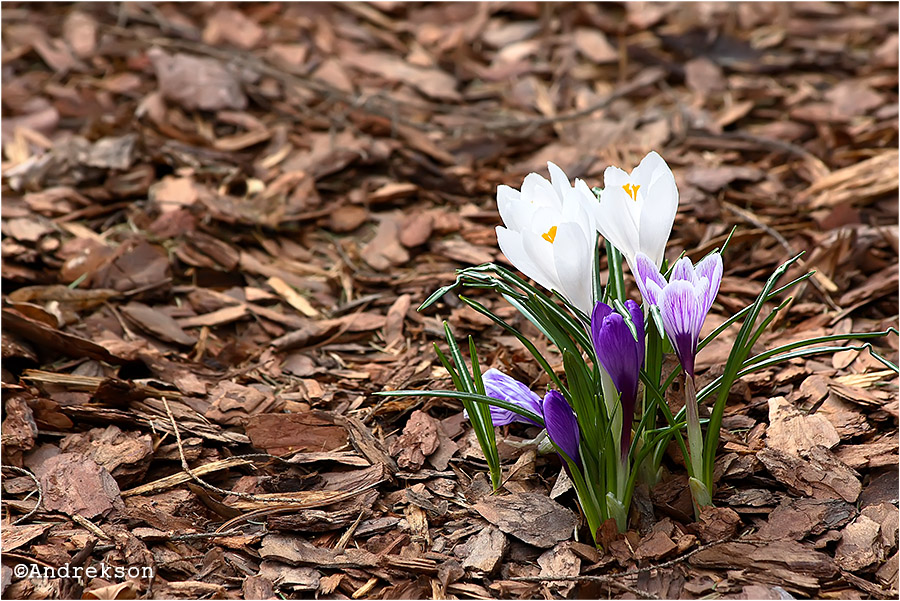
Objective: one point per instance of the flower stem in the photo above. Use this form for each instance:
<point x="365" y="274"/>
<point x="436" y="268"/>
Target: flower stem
<point x="695" y="439"/>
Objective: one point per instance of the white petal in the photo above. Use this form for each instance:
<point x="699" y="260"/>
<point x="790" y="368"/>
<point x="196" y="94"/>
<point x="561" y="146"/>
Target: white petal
<point x="591" y="204"/>
<point x="573" y="258"/>
<point x="540" y="252"/>
<point x="613" y="177"/>
<point x="558" y="179"/>
<point x="616" y="223"/>
<point x="651" y="167"/>
<point x="511" y="206"/>
<point x="513" y="248"/>
<point x="538" y="190"/>
<point x="659" y="196"/>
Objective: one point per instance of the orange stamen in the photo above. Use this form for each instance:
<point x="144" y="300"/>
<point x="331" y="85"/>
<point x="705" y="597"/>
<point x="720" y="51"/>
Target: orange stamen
<point x="549" y="235"/>
<point x="631" y="190"/>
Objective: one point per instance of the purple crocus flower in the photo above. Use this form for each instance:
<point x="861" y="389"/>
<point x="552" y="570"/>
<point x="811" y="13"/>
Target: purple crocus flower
<point x="621" y="355"/>
<point x="559" y="419"/>
<point x="683" y="301"/>
<point x="562" y="425"/>
<point x="500" y="386"/>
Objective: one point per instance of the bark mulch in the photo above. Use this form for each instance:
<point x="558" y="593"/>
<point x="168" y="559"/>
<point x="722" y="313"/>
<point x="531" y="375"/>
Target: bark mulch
<point x="219" y="219"/>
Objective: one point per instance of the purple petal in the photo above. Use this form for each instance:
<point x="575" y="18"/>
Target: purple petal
<point x="682" y="317"/>
<point x="562" y="426"/>
<point x="622" y="356"/>
<point x="710" y="268"/>
<point x="498" y="385"/>
<point x="637" y="317"/>
<point x="649" y="279"/>
<point x="683" y="270"/>
<point x="601" y="310"/>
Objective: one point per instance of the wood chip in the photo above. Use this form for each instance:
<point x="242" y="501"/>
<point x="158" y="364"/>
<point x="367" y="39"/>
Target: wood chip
<point x="796" y="433"/>
<point x="73" y="484"/>
<point x="485" y="550"/>
<point x="822" y="475"/>
<point x="532" y="518"/>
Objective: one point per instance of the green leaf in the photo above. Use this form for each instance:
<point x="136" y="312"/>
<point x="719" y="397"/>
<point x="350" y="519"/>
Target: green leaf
<point x="616" y="285"/>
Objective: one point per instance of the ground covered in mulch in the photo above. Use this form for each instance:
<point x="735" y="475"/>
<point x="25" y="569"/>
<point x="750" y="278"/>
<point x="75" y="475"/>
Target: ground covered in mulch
<point x="218" y="221"/>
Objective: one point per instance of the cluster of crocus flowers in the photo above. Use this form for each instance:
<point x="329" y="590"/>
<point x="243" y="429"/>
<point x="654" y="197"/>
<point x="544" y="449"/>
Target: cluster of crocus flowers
<point x="609" y="345"/>
<point x="550" y="234"/>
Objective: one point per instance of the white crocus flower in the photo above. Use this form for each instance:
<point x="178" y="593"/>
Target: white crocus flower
<point x="550" y="234"/>
<point x="636" y="211"/>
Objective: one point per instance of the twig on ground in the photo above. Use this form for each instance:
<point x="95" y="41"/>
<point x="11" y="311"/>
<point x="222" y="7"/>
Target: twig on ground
<point x="756" y="221"/>
<point x="37" y="484"/>
<point x="242" y="495"/>
<point x="616" y="576"/>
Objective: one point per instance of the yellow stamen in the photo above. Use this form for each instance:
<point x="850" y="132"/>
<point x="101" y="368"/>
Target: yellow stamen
<point x="549" y="235"/>
<point x="631" y="190"/>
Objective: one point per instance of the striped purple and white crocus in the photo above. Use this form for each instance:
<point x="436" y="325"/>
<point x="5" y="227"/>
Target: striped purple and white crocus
<point x="559" y="419"/>
<point x="622" y="356"/>
<point x="684" y="301"/>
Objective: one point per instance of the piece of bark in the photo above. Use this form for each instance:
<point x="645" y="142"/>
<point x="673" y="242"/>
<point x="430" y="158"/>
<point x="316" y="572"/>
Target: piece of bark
<point x="420" y="439"/>
<point x="822" y="475"/>
<point x="887" y="516"/>
<point x="384" y="250"/>
<point x="881" y="488"/>
<point x="136" y="264"/>
<point x="74" y="484"/>
<point x="14" y="536"/>
<point x="297" y="551"/>
<point x="347" y="218"/>
<point x="530" y="517"/>
<point x="763" y="556"/>
<point x="393" y="323"/>
<point x="887" y="573"/>
<point x="125" y="455"/>
<point x="869" y="455"/>
<point x="331" y="518"/>
<point x="416" y="229"/>
<point x="231" y="404"/>
<point x="197" y="82"/>
<point x="19" y="428"/>
<point x="800" y="518"/>
<point x="752" y="500"/>
<point x="560" y="561"/>
<point x="258" y="587"/>
<point x="365" y="443"/>
<point x="486" y="550"/>
<point x="296" y="578"/>
<point x="282" y="433"/>
<point x="716" y="523"/>
<point x="52" y="340"/>
<point x="713" y="179"/>
<point x="860" y="545"/>
<point x="654" y="546"/>
<point x="794" y="432"/>
<point x="447" y="448"/>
